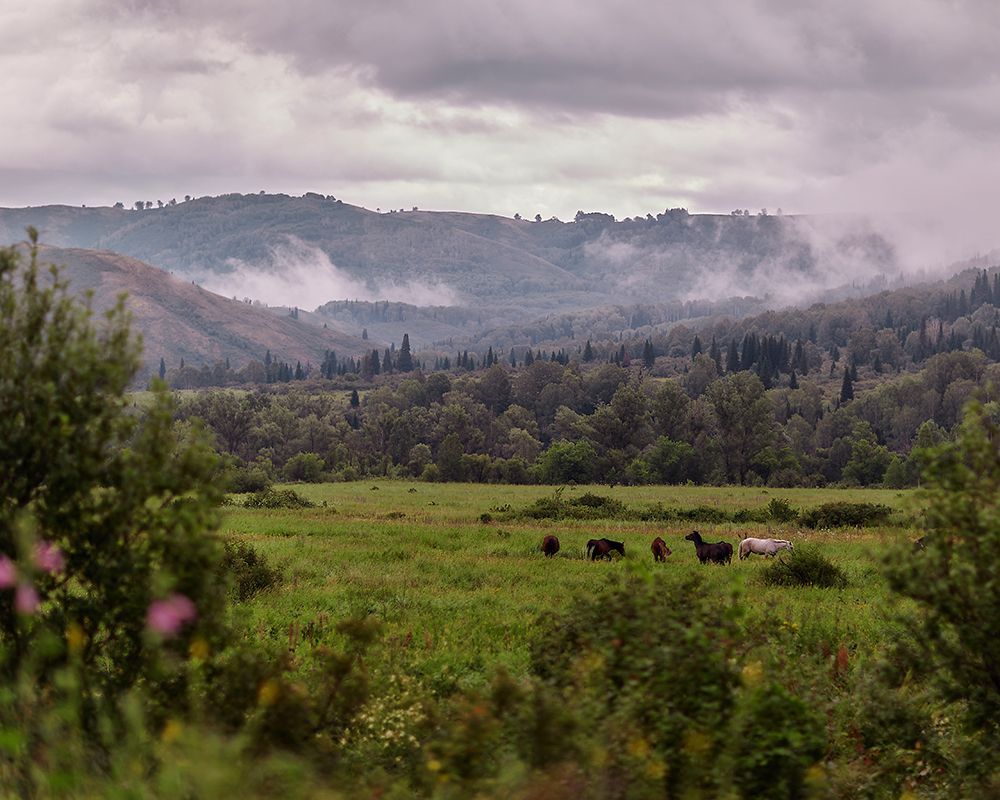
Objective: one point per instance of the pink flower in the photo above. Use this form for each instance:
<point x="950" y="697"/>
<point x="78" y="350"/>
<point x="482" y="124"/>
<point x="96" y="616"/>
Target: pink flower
<point x="8" y="573"/>
<point x="167" y="616"/>
<point x="49" y="558"/>
<point x="26" y="599"/>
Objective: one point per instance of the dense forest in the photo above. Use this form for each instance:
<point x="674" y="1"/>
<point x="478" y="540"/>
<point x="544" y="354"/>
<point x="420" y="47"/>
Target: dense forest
<point x="797" y="398"/>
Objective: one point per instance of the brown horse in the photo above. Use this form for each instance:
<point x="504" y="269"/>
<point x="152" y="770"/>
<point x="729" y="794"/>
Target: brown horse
<point x="550" y="545"/>
<point x="660" y="549"/>
<point x="602" y="548"/>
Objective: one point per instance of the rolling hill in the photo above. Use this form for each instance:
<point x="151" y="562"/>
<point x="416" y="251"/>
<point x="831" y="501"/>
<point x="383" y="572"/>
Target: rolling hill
<point x="178" y="319"/>
<point x="511" y="266"/>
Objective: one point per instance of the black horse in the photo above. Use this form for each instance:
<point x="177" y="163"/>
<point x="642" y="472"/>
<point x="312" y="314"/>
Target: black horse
<point x="550" y="545"/>
<point x="717" y="553"/>
<point x="602" y="548"/>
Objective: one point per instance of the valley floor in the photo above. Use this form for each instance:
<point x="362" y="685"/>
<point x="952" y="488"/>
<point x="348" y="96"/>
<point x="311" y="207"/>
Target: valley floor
<point x="459" y="597"/>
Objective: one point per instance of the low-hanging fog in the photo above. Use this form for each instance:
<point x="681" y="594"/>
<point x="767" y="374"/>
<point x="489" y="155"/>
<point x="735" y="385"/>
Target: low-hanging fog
<point x="301" y="275"/>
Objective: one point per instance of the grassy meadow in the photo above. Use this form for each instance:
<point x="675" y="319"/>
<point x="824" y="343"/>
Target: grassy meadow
<point x="459" y="597"/>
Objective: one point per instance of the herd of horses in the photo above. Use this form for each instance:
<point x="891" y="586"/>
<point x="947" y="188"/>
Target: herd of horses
<point x="707" y="552"/>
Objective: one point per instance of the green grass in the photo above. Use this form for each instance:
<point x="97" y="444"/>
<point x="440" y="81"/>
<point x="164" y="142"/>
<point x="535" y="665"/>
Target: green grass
<point x="458" y="597"/>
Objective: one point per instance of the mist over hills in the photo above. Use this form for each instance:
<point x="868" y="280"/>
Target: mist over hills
<point x="321" y="272"/>
<point x="179" y="320"/>
<point x="310" y="250"/>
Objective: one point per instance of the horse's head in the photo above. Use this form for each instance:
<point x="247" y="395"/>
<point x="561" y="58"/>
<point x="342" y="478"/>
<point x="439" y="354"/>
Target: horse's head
<point x="694" y="536"/>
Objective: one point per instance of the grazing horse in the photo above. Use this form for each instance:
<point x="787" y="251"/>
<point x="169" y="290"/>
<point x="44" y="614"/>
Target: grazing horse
<point x="602" y="548"/>
<point x="763" y="547"/>
<point x="550" y="545"/>
<point x="718" y="553"/>
<point x="660" y="549"/>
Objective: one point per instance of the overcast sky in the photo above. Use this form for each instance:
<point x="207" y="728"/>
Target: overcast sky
<point x="508" y="106"/>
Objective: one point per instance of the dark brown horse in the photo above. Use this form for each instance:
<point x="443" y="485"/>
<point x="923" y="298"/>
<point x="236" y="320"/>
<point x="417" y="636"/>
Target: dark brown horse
<point x="550" y="545"/>
<point x="602" y="548"/>
<point x="717" y="553"/>
<point x="660" y="549"/>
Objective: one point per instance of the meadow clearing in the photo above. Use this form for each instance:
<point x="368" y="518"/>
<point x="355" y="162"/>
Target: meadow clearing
<point x="458" y="597"/>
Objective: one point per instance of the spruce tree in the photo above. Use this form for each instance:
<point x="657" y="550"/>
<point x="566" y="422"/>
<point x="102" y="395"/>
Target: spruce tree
<point x="163" y="369"/>
<point x="404" y="361"/>
<point x="732" y="358"/>
<point x="695" y="346"/>
<point x="588" y="352"/>
<point x="847" y="387"/>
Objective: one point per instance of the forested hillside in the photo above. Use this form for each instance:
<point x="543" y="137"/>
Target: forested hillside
<point x="471" y="258"/>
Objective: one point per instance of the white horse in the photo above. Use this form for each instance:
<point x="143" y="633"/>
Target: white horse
<point x="763" y="547"/>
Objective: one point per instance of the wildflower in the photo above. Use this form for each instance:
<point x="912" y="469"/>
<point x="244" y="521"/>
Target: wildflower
<point x="49" y="558"/>
<point x="26" y="599"/>
<point x="167" y="616"/>
<point x="75" y="637"/>
<point x="8" y="573"/>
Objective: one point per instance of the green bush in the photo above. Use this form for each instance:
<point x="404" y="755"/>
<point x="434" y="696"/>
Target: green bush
<point x="586" y="506"/>
<point x="247" y="570"/>
<point x="278" y="498"/>
<point x="846" y="515"/>
<point x="804" y="566"/>
<point x="781" y="510"/>
<point x="776" y="737"/>
<point x="249" y="478"/>
<point x="106" y="519"/>
<point x="304" y="467"/>
<point x="650" y="658"/>
<point x="955" y="581"/>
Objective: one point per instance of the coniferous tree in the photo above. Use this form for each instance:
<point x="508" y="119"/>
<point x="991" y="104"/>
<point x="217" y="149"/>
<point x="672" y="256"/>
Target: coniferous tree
<point x="716" y="355"/>
<point x="355" y="400"/>
<point x="513" y="358"/>
<point x="695" y="346"/>
<point x="163" y="369"/>
<point x="732" y="358"/>
<point x="404" y="361"/>
<point x="648" y="356"/>
<point x="847" y="387"/>
<point x="588" y="352"/>
<point x="793" y="382"/>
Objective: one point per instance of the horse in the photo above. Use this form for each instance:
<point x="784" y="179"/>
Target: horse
<point x="602" y="548"/>
<point x="763" y="547"/>
<point x="550" y="545"/>
<point x="718" y="553"/>
<point x="660" y="549"/>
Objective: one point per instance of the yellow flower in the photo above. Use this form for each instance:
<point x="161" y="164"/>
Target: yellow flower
<point x="199" y="649"/>
<point x="172" y="731"/>
<point x="752" y="673"/>
<point x="75" y="638"/>
<point x="434" y="765"/>
<point x="815" y="776"/>
<point x="655" y="769"/>
<point x="268" y="693"/>
<point x="696" y="743"/>
<point x="638" y="747"/>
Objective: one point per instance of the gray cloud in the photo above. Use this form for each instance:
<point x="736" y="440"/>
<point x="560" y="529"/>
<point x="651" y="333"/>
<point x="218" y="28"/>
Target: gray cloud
<point x="860" y="105"/>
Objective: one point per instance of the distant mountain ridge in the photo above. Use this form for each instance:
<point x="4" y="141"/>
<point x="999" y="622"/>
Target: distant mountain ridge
<point x="526" y="268"/>
<point x="179" y="320"/>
